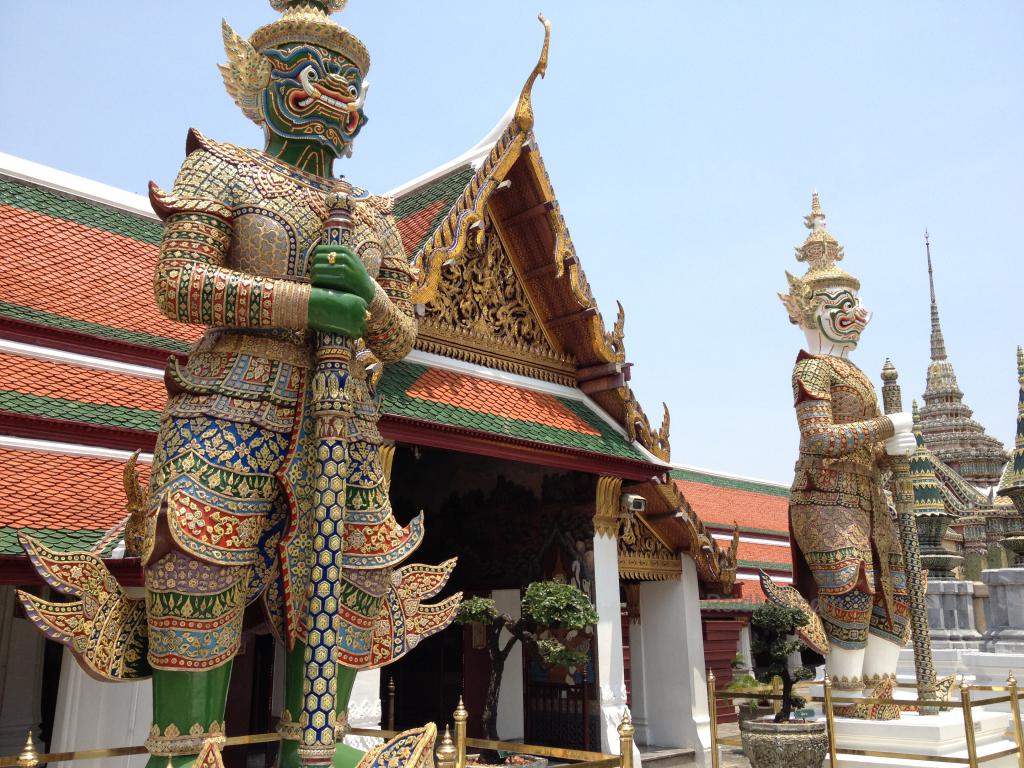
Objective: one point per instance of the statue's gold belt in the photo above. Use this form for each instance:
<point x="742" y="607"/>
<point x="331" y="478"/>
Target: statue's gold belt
<point x="288" y="347"/>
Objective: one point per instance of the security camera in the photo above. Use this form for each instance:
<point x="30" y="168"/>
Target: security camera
<point x="634" y="502"/>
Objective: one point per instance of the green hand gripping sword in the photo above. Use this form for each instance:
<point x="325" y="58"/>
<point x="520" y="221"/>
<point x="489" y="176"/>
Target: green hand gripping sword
<point x="331" y="412"/>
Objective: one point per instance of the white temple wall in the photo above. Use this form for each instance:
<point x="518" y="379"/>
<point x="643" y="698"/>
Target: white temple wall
<point x="675" y="692"/>
<point x="510" y="697"/>
<point x="92" y="714"/>
<point x="21" y="676"/>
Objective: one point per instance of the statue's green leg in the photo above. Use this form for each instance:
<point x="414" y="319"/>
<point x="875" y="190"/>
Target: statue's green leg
<point x="344" y="755"/>
<point x="183" y="699"/>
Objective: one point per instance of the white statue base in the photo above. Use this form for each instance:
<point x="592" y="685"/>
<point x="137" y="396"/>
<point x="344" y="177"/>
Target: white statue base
<point x="940" y="735"/>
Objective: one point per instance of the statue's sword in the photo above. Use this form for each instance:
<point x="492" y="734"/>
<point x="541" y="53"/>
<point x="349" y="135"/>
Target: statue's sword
<point x="903" y="495"/>
<point x="331" y="412"/>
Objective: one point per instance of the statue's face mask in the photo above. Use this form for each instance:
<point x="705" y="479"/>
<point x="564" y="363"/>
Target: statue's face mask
<point x="840" y="317"/>
<point x="314" y="94"/>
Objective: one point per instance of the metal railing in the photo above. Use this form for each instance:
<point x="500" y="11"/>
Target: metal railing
<point x="966" y="704"/>
<point x="449" y="752"/>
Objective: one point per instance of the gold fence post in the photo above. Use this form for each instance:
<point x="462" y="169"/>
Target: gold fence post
<point x="391" y="703"/>
<point x="28" y="758"/>
<point x="626" y="731"/>
<point x="712" y="714"/>
<point x="460" y="716"/>
<point x="972" y="747"/>
<point x="776" y="691"/>
<point x="1011" y="683"/>
<point x="446" y="750"/>
<point x="829" y="722"/>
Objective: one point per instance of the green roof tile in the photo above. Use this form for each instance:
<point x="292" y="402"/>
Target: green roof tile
<point x="74" y="410"/>
<point x="730" y="482"/>
<point x="31" y="198"/>
<point x="60" y="539"/>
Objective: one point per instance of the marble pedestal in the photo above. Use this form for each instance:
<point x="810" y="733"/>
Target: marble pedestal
<point x="1005" y="610"/>
<point x="940" y="735"/>
<point x="951" y="614"/>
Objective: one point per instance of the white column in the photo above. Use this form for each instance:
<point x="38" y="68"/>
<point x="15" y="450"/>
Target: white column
<point x="21" y="676"/>
<point x="610" y="668"/>
<point x="364" y="708"/>
<point x="675" y="692"/>
<point x="745" y="650"/>
<point x="510" y="697"/>
<point x="638" y="707"/>
<point x="92" y="714"/>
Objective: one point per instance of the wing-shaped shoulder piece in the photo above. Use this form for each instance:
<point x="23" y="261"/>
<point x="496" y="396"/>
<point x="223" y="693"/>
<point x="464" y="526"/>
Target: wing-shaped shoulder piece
<point x="204" y="183"/>
<point x="104" y="629"/>
<point x="812" y="378"/>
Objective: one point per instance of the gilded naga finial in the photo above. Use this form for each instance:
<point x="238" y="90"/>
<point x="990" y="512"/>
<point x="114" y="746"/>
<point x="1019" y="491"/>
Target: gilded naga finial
<point x="524" y="109"/>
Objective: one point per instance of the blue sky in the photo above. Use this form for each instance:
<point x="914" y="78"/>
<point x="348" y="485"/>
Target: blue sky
<point x="683" y="140"/>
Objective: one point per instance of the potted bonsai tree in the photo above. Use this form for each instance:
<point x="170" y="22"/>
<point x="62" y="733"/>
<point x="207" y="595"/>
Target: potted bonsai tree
<point x="545" y="605"/>
<point x="782" y="742"/>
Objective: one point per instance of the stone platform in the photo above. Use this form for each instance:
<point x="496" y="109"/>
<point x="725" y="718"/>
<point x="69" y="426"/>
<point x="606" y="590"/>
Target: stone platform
<point x="930" y="736"/>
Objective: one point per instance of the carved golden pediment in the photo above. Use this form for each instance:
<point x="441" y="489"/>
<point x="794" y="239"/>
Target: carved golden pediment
<point x="643" y="554"/>
<point x="482" y="313"/>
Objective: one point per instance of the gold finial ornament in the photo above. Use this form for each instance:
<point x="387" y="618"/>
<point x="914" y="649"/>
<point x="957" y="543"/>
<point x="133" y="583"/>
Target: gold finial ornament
<point x="247" y="72"/>
<point x="524" y="108"/>
<point x="28" y="757"/>
<point x="820" y="251"/>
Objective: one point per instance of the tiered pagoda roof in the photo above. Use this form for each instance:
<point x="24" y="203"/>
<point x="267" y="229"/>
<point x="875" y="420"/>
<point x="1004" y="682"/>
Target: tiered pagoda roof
<point x="949" y="431"/>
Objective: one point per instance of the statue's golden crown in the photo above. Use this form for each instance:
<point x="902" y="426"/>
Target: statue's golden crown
<point x="309" y="21"/>
<point x="302" y="21"/>
<point x="820" y="251"/>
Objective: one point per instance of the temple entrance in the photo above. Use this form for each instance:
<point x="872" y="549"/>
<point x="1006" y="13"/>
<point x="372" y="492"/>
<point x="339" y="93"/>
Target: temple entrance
<point x="510" y="524"/>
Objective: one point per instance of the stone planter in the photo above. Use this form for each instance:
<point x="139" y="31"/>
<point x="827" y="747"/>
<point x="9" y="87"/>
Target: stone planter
<point x="796" y="744"/>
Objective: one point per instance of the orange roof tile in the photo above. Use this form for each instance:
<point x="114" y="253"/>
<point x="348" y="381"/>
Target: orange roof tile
<point x="50" y="491"/>
<point x="764" y="553"/>
<point x="66" y="268"/>
<point x="751" y="590"/>
<point x="504" y="400"/>
<point x="717" y="504"/>
<point x="72" y="382"/>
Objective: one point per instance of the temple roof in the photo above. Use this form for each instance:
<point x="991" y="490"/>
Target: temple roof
<point x="949" y="431"/>
<point x="759" y="510"/>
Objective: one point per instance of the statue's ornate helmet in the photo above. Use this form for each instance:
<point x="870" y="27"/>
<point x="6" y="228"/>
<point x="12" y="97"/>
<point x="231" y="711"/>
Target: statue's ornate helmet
<point x="247" y="72"/>
<point x="820" y="251"/>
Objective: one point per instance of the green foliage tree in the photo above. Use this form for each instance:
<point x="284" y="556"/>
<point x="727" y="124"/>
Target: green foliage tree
<point x="545" y="605"/>
<point x="777" y="642"/>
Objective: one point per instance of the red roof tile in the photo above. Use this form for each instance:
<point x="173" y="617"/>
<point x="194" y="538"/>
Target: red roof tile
<point x="413" y="228"/>
<point x="764" y="553"/>
<point x="73" y="382"/>
<point x="717" y="504"/>
<point x="504" y="400"/>
<point x="69" y="269"/>
<point x="49" y="491"/>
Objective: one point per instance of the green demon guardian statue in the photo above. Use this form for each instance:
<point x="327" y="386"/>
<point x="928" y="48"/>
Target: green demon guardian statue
<point x="245" y="452"/>
<point x="849" y="558"/>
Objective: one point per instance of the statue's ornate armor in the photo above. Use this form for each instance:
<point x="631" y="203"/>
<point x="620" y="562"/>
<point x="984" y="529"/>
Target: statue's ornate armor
<point x="838" y="511"/>
<point x="232" y="471"/>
